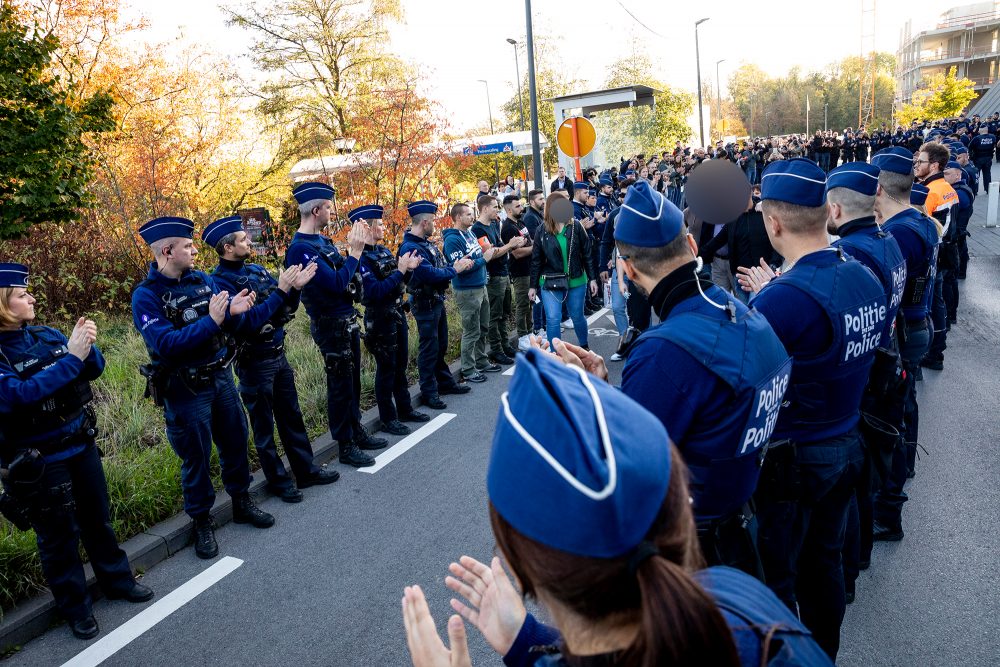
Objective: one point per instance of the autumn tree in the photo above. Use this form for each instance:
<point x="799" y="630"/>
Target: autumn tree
<point x="940" y="96"/>
<point x="45" y="164"/>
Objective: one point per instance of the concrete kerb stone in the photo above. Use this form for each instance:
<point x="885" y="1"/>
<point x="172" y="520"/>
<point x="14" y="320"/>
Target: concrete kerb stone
<point x="33" y="617"/>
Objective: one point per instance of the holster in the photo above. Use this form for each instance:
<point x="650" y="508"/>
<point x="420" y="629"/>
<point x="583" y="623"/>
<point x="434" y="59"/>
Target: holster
<point x="339" y="364"/>
<point x="156" y="382"/>
<point x="780" y="473"/>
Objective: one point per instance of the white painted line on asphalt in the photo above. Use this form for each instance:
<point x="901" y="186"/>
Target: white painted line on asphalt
<point x="124" y="634"/>
<point x="407" y="443"/>
<point x="590" y="320"/>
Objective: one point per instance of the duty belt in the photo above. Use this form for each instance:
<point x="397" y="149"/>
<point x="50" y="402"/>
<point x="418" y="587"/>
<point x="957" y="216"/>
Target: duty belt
<point x="260" y="354"/>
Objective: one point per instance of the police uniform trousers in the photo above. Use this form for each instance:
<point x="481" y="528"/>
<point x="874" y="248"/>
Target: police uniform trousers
<point x="939" y="319"/>
<point x="985" y="166"/>
<point x="640" y="313"/>
<point x="432" y="328"/>
<point x="387" y="338"/>
<point x="802" y="503"/>
<point x="267" y="386"/>
<point x="339" y="339"/>
<point x="890" y="497"/>
<point x="196" y="414"/>
<point x="72" y="507"/>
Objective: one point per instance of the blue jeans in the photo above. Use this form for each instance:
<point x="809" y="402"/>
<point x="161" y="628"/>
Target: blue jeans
<point x="197" y="415"/>
<point x="552" y="301"/>
<point x="618" y="303"/>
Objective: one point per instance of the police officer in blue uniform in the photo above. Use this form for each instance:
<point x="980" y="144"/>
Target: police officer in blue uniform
<point x="427" y="287"/>
<point x="591" y="512"/>
<point x="830" y="313"/>
<point x="330" y="299"/>
<point x="981" y="149"/>
<point x="850" y="195"/>
<point x="917" y="237"/>
<point x="958" y="177"/>
<point x="267" y="382"/>
<point x="49" y="461"/>
<point x="386" y="334"/>
<point x="712" y="371"/>
<point x="185" y="321"/>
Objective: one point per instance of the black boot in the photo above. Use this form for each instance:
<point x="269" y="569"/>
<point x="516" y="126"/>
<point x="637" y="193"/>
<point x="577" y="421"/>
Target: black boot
<point x="352" y="456"/>
<point x="205" y="545"/>
<point x="85" y="628"/>
<point x="246" y="511"/>
<point x="364" y="440"/>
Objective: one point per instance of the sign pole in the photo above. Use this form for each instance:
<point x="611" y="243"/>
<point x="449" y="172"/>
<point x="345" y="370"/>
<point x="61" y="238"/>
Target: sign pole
<point x="576" y="149"/>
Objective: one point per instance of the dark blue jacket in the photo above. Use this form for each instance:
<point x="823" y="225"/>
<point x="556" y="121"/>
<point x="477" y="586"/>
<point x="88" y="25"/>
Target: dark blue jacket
<point x="830" y="312"/>
<point x="716" y="384"/>
<point x="433" y="274"/>
<point x="18" y="394"/>
<point x="917" y="237"/>
<point x="236" y="276"/>
<point x="754" y="614"/>
<point x="382" y="280"/>
<point x="877" y="249"/>
<point x="981" y="146"/>
<point x="459" y="244"/>
<point x="327" y="293"/>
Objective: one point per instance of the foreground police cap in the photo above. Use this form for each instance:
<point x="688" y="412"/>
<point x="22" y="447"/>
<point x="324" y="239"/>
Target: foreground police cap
<point x="13" y="275"/>
<point x="797" y="181"/>
<point x="221" y="228"/>
<point x="896" y="159"/>
<point x="606" y="180"/>
<point x="165" y="228"/>
<point x="587" y="474"/>
<point x="647" y="219"/>
<point x="423" y="206"/>
<point x="580" y="185"/>
<point x="717" y="192"/>
<point x="369" y="212"/>
<point x="918" y="194"/>
<point x="858" y="176"/>
<point x="308" y="192"/>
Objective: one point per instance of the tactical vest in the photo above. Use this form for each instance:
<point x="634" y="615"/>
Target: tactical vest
<point x="184" y="304"/>
<point x="424" y="290"/>
<point x="258" y="280"/>
<point x="55" y="411"/>
<point x="740" y="348"/>
<point x="919" y="289"/>
<point x="963" y="215"/>
<point x="328" y="254"/>
<point x="872" y="247"/>
<point x="382" y="263"/>
<point x="826" y="389"/>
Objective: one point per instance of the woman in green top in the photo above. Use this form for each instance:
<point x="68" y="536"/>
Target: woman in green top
<point x="560" y="272"/>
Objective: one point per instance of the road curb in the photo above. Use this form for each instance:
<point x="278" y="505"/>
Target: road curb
<point x="33" y="617"/>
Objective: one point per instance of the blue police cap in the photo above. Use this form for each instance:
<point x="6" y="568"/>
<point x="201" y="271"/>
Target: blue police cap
<point x="588" y="474"/>
<point x="606" y="180"/>
<point x="581" y="185"/>
<point x="222" y="227"/>
<point x="895" y="159"/>
<point x="166" y="228"/>
<point x="630" y="172"/>
<point x="961" y="150"/>
<point x="858" y="176"/>
<point x="592" y="192"/>
<point x="369" y="212"/>
<point x="308" y="192"/>
<point x="918" y="194"/>
<point x="647" y="219"/>
<point x="797" y="181"/>
<point x="953" y="165"/>
<point x="13" y="275"/>
<point x="422" y="206"/>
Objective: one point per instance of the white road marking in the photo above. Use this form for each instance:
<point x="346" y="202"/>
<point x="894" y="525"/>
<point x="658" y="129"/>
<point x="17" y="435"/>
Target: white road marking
<point x="590" y="320"/>
<point x="407" y="443"/>
<point x="127" y="632"/>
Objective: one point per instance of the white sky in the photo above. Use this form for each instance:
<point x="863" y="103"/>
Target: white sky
<point x="443" y="38"/>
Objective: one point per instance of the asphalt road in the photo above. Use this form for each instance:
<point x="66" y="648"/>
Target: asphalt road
<point x="323" y="586"/>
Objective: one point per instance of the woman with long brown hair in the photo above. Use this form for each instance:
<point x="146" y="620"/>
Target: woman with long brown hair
<point x="590" y="509"/>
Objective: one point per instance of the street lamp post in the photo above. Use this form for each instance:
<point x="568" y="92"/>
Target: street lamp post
<point x="520" y="105"/>
<point x="718" y="94"/>
<point x="536" y="151"/>
<point x="489" y="109"/>
<point x="697" y="61"/>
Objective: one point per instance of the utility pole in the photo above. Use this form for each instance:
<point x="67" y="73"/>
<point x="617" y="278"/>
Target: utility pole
<point x="697" y="62"/>
<point x="718" y="95"/>
<point x="520" y="101"/>
<point x="536" y="152"/>
<point x="489" y="108"/>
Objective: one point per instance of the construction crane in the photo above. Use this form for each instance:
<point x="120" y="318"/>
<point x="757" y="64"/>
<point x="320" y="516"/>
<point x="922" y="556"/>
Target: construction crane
<point x="866" y="83"/>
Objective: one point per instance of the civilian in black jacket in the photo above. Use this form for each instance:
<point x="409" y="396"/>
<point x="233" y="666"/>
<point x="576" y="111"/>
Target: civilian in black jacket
<point x="562" y="182"/>
<point x="748" y="243"/>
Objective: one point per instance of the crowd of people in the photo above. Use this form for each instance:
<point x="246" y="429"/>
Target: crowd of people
<point x="717" y="507"/>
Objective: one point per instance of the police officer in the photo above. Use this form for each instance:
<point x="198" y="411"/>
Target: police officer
<point x="49" y="462"/>
<point x="966" y="192"/>
<point x="426" y="288"/>
<point x="850" y="195"/>
<point x="386" y="334"/>
<point x="330" y="298"/>
<point x="693" y="371"/>
<point x="267" y="382"/>
<point x="981" y="152"/>
<point x="829" y="311"/>
<point x="185" y="319"/>
<point x="917" y="237"/>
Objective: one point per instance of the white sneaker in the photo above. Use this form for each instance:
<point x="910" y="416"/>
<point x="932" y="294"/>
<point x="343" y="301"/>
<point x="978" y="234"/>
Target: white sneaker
<point x="616" y="357"/>
<point x="524" y="343"/>
<point x="568" y="324"/>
